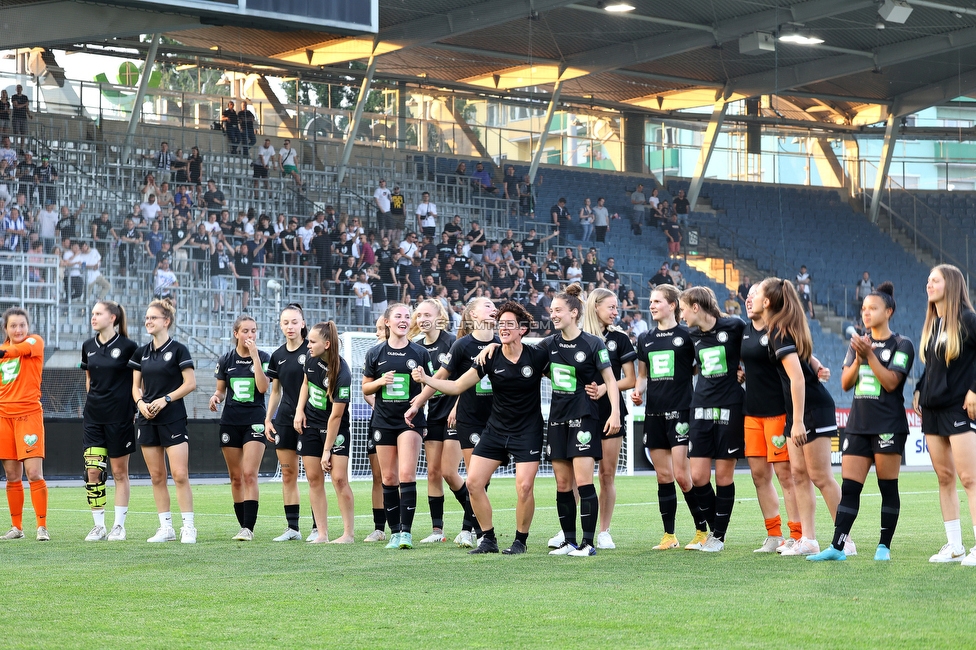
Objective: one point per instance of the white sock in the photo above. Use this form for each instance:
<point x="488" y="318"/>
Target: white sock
<point x="954" y="533"/>
<point x="165" y="520"/>
<point x="99" y="517"/>
<point x="188" y="519"/>
<point x="120" y="513"/>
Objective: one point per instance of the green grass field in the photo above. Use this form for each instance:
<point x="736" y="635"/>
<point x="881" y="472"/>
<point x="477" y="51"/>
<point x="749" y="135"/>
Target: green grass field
<point x="221" y="593"/>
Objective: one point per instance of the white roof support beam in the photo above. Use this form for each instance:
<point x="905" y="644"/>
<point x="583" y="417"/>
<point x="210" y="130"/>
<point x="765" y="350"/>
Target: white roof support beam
<point x="136" y="115"/>
<point x="550" y="111"/>
<point x="357" y="117"/>
<point x="887" y="149"/>
<point x="705" y="153"/>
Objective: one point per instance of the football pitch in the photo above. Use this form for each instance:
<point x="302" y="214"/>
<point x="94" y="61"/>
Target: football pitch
<point x="220" y="593"/>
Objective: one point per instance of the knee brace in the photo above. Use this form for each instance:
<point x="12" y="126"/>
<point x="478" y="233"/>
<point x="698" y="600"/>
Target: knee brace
<point x="96" y="458"/>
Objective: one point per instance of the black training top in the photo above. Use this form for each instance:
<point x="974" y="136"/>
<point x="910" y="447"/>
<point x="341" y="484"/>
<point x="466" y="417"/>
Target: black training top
<point x="318" y="408"/>
<point x="110" y="380"/>
<point x="573" y="365"/>
<point x="439" y="406"/>
<point x="162" y="373"/>
<point x="764" y="392"/>
<point x="670" y="359"/>
<point x="621" y="351"/>
<point x="243" y="404"/>
<point x="943" y="386"/>
<point x="393" y="400"/>
<point x="517" y="407"/>
<point x="718" y="352"/>
<point x="875" y="410"/>
<point x="474" y="404"/>
<point x="816" y="395"/>
<point x="288" y="368"/>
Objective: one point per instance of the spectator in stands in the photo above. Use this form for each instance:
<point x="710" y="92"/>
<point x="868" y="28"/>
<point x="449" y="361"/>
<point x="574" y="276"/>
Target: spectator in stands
<point x="510" y="183"/>
<point x="653" y="200"/>
<point x="166" y="201"/>
<point x="230" y="122"/>
<point x="682" y="207"/>
<point x="288" y="159"/>
<point x="364" y="295"/>
<point x="732" y="306"/>
<point x="590" y="269"/>
<point x="162" y="159"/>
<point x="481" y="180"/>
<point x="454" y="230"/>
<point x="638" y="325"/>
<point x="199" y="250"/>
<point x="221" y="270"/>
<point x="47" y="225"/>
<point x="476" y="241"/>
<point x="68" y="223"/>
<point x="179" y="164"/>
<point x="673" y="234"/>
<point x="164" y="281"/>
<point x="862" y="289"/>
<point x="194" y="167"/>
<point x="561" y="220"/>
<point x="91" y="261"/>
<point x="444" y="249"/>
<point x="154" y="239"/>
<point x="4" y="112"/>
<point x="398" y="214"/>
<point x="553" y="270"/>
<point x="27" y="176"/>
<point x="531" y="244"/>
<point x="381" y="197"/>
<point x="19" y="114"/>
<point x="183" y="210"/>
<point x="242" y="266"/>
<point x="378" y="290"/>
<point x="573" y="272"/>
<point x="526" y="197"/>
<point x="629" y="302"/>
<point x="586" y="220"/>
<point x="245" y="121"/>
<point x="409" y="248"/>
<point x="639" y="203"/>
<point x="540" y="317"/>
<point x="46" y="178"/>
<point x="677" y="276"/>
<point x="803" y="281"/>
<point x="149" y="210"/>
<point x="601" y="221"/>
<point x="427" y="216"/>
<point x="213" y="198"/>
<point x="492" y="259"/>
<point x="263" y="163"/>
<point x="74" y="283"/>
<point x="609" y="273"/>
<point x="663" y="276"/>
<point x="742" y="292"/>
<point x="130" y="242"/>
<point x="567" y="260"/>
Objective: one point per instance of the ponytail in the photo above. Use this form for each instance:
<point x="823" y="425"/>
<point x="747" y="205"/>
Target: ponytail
<point x="333" y="360"/>
<point x="118" y="311"/>
<point x="788" y="316"/>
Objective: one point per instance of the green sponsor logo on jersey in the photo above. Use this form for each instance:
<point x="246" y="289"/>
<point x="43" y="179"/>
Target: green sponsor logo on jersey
<point x="400" y="388"/>
<point x="317" y="397"/>
<point x="563" y="378"/>
<point x="9" y="370"/>
<point x="713" y="361"/>
<point x="484" y="386"/>
<point x="900" y="360"/>
<point x="661" y="364"/>
<point x="243" y="388"/>
<point x="343" y="392"/>
<point x="603" y="356"/>
<point x="867" y="383"/>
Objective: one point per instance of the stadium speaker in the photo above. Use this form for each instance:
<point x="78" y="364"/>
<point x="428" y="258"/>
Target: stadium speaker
<point x="753" y="129"/>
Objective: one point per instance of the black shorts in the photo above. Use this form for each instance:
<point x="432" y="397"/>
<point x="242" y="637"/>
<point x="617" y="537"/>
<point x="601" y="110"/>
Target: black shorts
<point x="876" y="443"/>
<point x="243" y="284"/>
<point x="821" y="423"/>
<point x="946" y="422"/>
<point x="162" y="435"/>
<point x="666" y="430"/>
<point x="370" y="443"/>
<point x="285" y="437"/>
<point x="496" y="446"/>
<point x="311" y="442"/>
<point x="388" y="437"/>
<point x="260" y="171"/>
<point x="342" y="444"/>
<point x="468" y="434"/>
<point x="237" y="435"/>
<point x="436" y="431"/>
<point x="574" y="439"/>
<point x="119" y="438"/>
<point x="717" y="433"/>
<point x="384" y="219"/>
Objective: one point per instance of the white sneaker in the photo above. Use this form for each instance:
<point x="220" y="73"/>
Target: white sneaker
<point x="13" y="533"/>
<point x="465" y="539"/>
<point x="563" y="549"/>
<point x="786" y="545"/>
<point x="770" y="545"/>
<point x="603" y="540"/>
<point x="117" y="534"/>
<point x="245" y="535"/>
<point x="312" y="536"/>
<point x="97" y="534"/>
<point x="288" y="535"/>
<point x="436" y="536"/>
<point x="949" y="554"/>
<point x="803" y="547"/>
<point x="42" y="534"/>
<point x="188" y="535"/>
<point x="557" y="540"/>
<point x="584" y="550"/>
<point x="713" y="544"/>
<point x="970" y="560"/>
<point x="377" y="536"/>
<point x="849" y="549"/>
<point x="163" y="534"/>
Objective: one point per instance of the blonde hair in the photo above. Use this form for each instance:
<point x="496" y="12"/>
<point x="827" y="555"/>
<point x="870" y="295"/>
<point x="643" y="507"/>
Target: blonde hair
<point x="591" y="321"/>
<point x="442" y="319"/>
<point x="956" y="298"/>
<point x="788" y="316"/>
<point x="466" y="321"/>
<point x="167" y="308"/>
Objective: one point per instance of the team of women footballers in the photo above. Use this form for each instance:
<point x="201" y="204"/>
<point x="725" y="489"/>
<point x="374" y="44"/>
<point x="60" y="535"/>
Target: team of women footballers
<point x="758" y="395"/>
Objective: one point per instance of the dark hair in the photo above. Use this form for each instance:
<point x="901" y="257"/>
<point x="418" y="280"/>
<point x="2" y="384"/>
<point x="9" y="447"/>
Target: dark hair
<point x="704" y="298"/>
<point x="118" y="311"/>
<point x="296" y="307"/>
<point x="521" y="314"/>
<point x="13" y="311"/>
<point x="240" y="320"/>
<point x="886" y="291"/>
<point x="330" y="333"/>
<point x="571" y="296"/>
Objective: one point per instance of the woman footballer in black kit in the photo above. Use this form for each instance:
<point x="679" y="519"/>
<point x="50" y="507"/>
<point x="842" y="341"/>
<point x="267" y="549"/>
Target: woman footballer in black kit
<point x="386" y="374"/>
<point x="514" y="427"/>
<point x="162" y="376"/>
<point x="322" y="416"/>
<point x="376" y="493"/>
<point x="241" y="387"/>
<point x="665" y="371"/>
<point x="715" y="431"/>
<point x="286" y="372"/>
<point x="573" y="441"/>
<point x="109" y="434"/>
<point x="876" y="367"/>
<point x="810" y="415"/>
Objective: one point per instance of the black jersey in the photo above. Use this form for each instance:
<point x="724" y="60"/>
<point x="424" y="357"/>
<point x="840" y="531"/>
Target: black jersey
<point x="393" y="400"/>
<point x="110" y="380"/>
<point x="670" y="358"/>
<point x="572" y="366"/>
<point x="318" y="408"/>
<point x="473" y="405"/>
<point x="162" y="373"/>
<point x="764" y="392"/>
<point x="244" y="404"/>
<point x="621" y="351"/>
<point x="517" y="406"/>
<point x="718" y="352"/>
<point x="816" y="395"/>
<point x="875" y="410"/>
<point x="288" y="368"/>
<point x="439" y="406"/>
<point x="944" y="385"/>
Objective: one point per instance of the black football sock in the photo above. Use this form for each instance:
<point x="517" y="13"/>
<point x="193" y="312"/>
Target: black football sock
<point x="391" y="504"/>
<point x="250" y="514"/>
<point x="521" y="537"/>
<point x="239" y="511"/>
<point x="566" y="509"/>
<point x="436" y="505"/>
<point x="692" y="502"/>
<point x="589" y="511"/>
<point x="705" y="496"/>
<point x="408" y="505"/>
<point x="667" y="501"/>
<point x="461" y="494"/>
<point x="850" y="504"/>
<point x="292" y="515"/>
<point x="379" y="519"/>
<point x="724" y="501"/>
<point x="489" y="534"/>
<point x="890" y="507"/>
